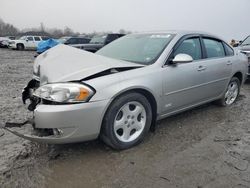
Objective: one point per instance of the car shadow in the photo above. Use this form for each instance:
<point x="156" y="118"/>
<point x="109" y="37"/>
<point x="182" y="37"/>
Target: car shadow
<point x="55" y="151"/>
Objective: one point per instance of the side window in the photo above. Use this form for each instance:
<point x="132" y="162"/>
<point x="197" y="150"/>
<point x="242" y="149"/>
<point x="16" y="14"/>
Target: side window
<point x="78" y="41"/>
<point x="191" y="47"/>
<point x="37" y="38"/>
<point x="214" y="48"/>
<point x="45" y="38"/>
<point x="228" y="49"/>
<point x="30" y="38"/>
<point x="72" y="41"/>
<point x="82" y="41"/>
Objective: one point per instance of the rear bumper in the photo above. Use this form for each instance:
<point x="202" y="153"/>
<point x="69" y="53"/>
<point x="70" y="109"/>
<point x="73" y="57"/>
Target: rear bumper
<point x="67" y="123"/>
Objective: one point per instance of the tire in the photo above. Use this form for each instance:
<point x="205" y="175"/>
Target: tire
<point x="20" y="47"/>
<point x="231" y="94"/>
<point x="126" y="121"/>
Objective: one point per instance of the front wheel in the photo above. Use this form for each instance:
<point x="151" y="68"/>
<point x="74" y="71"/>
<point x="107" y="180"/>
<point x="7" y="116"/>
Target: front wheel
<point x="232" y="92"/>
<point x="20" y="47"/>
<point x="127" y="121"/>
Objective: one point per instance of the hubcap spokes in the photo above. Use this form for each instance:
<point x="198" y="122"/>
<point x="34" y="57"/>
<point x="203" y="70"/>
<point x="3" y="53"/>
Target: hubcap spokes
<point x="130" y="121"/>
<point x="232" y="92"/>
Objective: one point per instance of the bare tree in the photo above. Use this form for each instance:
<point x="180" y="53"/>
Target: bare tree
<point x="123" y="31"/>
<point x="67" y="31"/>
<point x="42" y="27"/>
<point x="7" y="29"/>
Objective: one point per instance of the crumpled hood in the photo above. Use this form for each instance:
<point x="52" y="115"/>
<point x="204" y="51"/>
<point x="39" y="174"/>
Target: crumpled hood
<point x="63" y="63"/>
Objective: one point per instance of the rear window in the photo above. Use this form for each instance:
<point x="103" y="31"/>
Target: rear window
<point x="37" y="38"/>
<point x="214" y="48"/>
<point x="45" y="38"/>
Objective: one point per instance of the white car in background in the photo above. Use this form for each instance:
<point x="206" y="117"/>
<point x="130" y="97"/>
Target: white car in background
<point x="26" y="42"/>
<point x="244" y="47"/>
<point x="4" y="41"/>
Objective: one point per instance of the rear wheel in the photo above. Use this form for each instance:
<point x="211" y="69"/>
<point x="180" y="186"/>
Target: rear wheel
<point x="232" y="92"/>
<point x="127" y="121"/>
<point x="20" y="47"/>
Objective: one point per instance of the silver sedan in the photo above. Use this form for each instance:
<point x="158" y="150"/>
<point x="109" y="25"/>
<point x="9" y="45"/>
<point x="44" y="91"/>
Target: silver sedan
<point x="118" y="93"/>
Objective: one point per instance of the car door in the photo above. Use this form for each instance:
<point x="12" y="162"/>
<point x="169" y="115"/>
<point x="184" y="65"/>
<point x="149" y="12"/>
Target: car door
<point x="217" y="65"/>
<point x="29" y="42"/>
<point x="183" y="83"/>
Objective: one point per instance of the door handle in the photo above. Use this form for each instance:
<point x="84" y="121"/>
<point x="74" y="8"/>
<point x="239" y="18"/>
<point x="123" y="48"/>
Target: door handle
<point x="201" y="68"/>
<point x="229" y="63"/>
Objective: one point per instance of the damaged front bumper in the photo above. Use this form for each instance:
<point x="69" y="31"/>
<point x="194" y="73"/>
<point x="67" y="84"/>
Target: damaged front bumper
<point x="38" y="135"/>
<point x="61" y="123"/>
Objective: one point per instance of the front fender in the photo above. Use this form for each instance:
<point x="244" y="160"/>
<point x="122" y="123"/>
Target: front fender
<point x="111" y="86"/>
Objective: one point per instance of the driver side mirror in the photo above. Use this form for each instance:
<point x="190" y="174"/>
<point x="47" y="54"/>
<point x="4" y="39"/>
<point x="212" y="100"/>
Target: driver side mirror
<point x="182" y="58"/>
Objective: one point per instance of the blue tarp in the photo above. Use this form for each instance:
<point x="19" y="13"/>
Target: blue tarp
<point x="45" y="45"/>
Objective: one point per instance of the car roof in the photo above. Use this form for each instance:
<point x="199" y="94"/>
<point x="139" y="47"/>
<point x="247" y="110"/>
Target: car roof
<point x="179" y="32"/>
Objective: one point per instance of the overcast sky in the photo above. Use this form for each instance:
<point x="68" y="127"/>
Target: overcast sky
<point x="226" y="18"/>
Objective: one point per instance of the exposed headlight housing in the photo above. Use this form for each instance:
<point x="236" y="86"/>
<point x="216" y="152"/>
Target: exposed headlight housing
<point x="65" y="92"/>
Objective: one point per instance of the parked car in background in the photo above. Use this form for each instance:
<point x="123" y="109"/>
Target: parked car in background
<point x="11" y="37"/>
<point x="98" y="41"/>
<point x="74" y="40"/>
<point x="119" y="92"/>
<point x="244" y="47"/>
<point x="26" y="42"/>
<point x="4" y="41"/>
<point x="45" y="45"/>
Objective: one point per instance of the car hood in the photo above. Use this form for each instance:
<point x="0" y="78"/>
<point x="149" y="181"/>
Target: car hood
<point x="245" y="48"/>
<point x="17" y="40"/>
<point x="63" y="63"/>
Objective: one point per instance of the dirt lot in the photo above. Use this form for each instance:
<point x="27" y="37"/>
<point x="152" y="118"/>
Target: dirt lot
<point x="206" y="147"/>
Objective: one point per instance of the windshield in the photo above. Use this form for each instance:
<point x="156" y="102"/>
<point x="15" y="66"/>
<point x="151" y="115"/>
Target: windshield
<point x="22" y="38"/>
<point x="98" y="40"/>
<point x="138" y="48"/>
<point x="246" y="41"/>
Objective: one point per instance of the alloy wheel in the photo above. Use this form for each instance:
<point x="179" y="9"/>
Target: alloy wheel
<point x="130" y="121"/>
<point x="231" y="93"/>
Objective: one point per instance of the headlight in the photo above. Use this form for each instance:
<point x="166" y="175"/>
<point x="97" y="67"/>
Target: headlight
<point x="64" y="92"/>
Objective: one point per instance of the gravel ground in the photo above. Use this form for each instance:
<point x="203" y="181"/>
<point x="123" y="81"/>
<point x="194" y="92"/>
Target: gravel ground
<point x="205" y="147"/>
